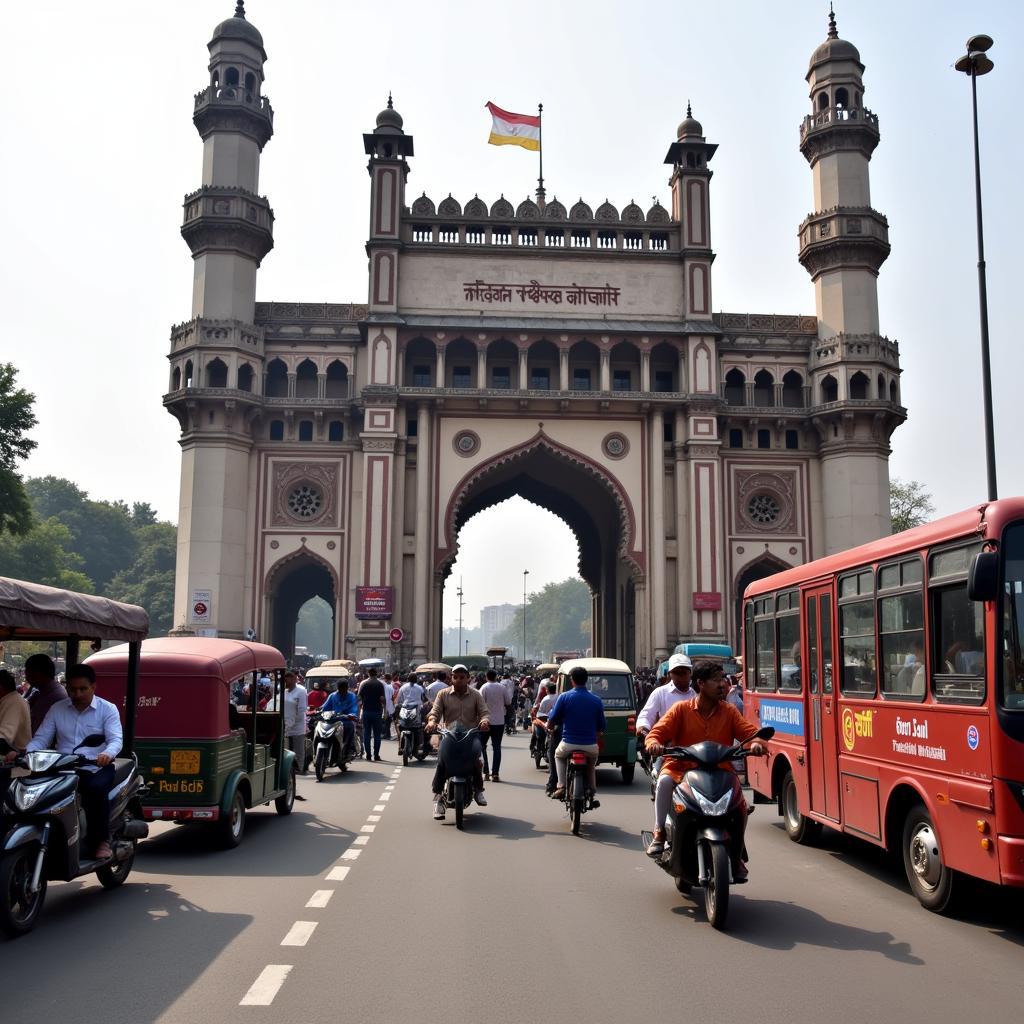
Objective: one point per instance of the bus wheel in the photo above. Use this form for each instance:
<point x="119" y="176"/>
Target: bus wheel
<point x="628" y="771"/>
<point x="799" y="827"/>
<point x="930" y="880"/>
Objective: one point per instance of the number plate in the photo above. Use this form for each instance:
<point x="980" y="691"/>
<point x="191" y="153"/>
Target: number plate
<point x="184" y="762"/>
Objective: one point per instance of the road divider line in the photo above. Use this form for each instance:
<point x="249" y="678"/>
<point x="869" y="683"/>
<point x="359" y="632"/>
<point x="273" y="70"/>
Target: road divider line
<point x="360" y="840"/>
<point x="386" y="795"/>
<point x="336" y="874"/>
<point x="373" y="817"/>
<point x="378" y="807"/>
<point x="267" y="985"/>
<point x="351" y="855"/>
<point x="299" y="933"/>
<point x="368" y="828"/>
<point x="322" y="897"/>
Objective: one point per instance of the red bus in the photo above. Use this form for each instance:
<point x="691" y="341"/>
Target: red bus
<point x="893" y="674"/>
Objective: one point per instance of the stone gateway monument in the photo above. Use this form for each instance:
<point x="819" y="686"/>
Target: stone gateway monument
<point x="565" y="352"/>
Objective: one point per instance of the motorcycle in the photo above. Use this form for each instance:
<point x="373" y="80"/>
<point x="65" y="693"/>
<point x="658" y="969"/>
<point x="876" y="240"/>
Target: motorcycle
<point x="411" y="735"/>
<point x="578" y="799"/>
<point x="44" y="829"/>
<point x="539" y="742"/>
<point x="704" y="824"/>
<point x="328" y="733"/>
<point x="457" y="755"/>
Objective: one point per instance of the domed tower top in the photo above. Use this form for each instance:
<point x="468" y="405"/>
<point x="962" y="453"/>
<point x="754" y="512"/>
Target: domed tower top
<point x="389" y="120"/>
<point x="237" y="30"/>
<point x="690" y="127"/>
<point x="388" y="140"/>
<point x="835" y="72"/>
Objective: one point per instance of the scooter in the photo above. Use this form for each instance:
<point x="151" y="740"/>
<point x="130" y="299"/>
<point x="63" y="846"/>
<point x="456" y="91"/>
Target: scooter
<point x="539" y="742"/>
<point x="578" y="799"/>
<point x="411" y="735"/>
<point x="705" y="824"/>
<point x="44" y="828"/>
<point x="328" y="733"/>
<point x="457" y="755"/>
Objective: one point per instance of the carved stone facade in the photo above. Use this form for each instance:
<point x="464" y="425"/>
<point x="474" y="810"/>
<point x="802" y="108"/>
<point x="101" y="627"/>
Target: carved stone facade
<point x="566" y="353"/>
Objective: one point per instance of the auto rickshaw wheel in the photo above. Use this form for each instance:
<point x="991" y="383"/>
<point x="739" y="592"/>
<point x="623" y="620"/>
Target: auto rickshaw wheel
<point x="286" y="801"/>
<point x="231" y="826"/>
<point x="628" y="771"/>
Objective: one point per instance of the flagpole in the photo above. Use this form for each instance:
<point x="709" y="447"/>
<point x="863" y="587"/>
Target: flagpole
<point x="540" y="150"/>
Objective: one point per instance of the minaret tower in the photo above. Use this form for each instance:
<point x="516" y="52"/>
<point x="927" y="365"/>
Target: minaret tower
<point x="217" y="356"/>
<point x="854" y="370"/>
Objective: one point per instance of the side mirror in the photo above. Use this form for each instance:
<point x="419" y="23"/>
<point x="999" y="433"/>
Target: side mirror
<point x="765" y="733"/>
<point x="983" y="577"/>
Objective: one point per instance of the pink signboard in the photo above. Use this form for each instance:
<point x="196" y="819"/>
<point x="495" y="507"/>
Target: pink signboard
<point x="375" y="602"/>
<point x="707" y="601"/>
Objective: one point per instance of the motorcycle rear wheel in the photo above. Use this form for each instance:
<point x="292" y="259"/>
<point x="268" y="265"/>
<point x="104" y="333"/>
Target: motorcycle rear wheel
<point x="577" y="812"/>
<point x="716" y="891"/>
<point x="19" y="908"/>
<point x="116" y="873"/>
<point x="682" y="886"/>
<point x="459" y="796"/>
<point x="320" y="764"/>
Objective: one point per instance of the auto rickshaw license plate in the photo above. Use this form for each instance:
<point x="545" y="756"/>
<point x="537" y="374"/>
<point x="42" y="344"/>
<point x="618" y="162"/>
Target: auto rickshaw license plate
<point x="184" y="762"/>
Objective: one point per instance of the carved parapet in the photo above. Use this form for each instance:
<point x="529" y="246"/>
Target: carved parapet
<point x="854" y="348"/>
<point x="842" y="237"/>
<point x="838" y="128"/>
<point x="221" y="334"/>
<point x="766" y="323"/>
<point x="220" y="218"/>
<point x="233" y="109"/>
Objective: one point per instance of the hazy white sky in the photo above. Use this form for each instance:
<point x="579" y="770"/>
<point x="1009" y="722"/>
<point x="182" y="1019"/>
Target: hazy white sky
<point x="100" y="149"/>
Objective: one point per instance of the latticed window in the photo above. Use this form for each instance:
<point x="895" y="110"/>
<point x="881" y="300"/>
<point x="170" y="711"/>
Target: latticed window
<point x="305" y="501"/>
<point x="763" y="508"/>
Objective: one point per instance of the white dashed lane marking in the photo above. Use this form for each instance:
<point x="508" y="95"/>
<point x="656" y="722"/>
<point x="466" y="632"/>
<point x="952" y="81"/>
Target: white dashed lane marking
<point x="267" y="985"/>
<point x="299" y="933"/>
<point x="368" y="828"/>
<point x="379" y="807"/>
<point x="351" y="855"/>
<point x="336" y="874"/>
<point x="373" y="817"/>
<point x="360" y="840"/>
<point x="322" y="897"/>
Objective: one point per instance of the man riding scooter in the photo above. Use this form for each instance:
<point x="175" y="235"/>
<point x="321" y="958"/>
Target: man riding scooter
<point x="344" y="703"/>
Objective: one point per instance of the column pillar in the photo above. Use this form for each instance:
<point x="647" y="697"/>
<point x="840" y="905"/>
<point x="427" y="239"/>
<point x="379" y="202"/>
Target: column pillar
<point x="684" y="584"/>
<point x="481" y="367"/>
<point x="524" y="382"/>
<point x="657" y="544"/>
<point x="439" y="378"/>
<point x="424" y="546"/>
<point x="606" y="372"/>
<point x="563" y="369"/>
<point x="645" y="370"/>
<point x="683" y="381"/>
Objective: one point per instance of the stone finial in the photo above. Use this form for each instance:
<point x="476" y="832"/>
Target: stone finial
<point x="833" y="32"/>
<point x="391" y="105"/>
<point x="689" y="112"/>
<point x="240" y="9"/>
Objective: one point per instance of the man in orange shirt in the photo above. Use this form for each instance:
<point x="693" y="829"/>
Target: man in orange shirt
<point x="708" y="716"/>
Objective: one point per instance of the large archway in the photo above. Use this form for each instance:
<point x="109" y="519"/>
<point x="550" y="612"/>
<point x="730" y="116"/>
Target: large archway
<point x="594" y="507"/>
<point x="766" y="565"/>
<point x="290" y="587"/>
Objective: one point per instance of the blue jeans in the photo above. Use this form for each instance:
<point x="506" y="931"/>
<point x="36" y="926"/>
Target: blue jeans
<point x="373" y="722"/>
<point x="495" y="735"/>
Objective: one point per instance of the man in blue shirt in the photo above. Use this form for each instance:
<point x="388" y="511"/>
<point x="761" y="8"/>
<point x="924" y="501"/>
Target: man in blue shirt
<point x="346" y="704"/>
<point x="581" y="715"/>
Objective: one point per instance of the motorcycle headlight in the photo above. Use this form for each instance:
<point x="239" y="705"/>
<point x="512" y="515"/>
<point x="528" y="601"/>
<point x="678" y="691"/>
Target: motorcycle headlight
<point x="42" y="760"/>
<point x="26" y="797"/>
<point x="713" y="808"/>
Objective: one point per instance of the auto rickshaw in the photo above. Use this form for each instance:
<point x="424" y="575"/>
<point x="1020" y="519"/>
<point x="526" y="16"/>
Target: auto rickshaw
<point x="207" y="758"/>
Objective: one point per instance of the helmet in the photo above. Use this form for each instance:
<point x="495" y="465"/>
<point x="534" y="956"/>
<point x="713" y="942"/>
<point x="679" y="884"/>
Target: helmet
<point x="679" y="661"/>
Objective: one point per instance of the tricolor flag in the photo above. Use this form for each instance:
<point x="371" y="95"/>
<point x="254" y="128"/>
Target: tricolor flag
<point x="513" y="129"/>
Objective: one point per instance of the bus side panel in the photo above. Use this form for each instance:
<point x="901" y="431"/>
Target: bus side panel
<point x="786" y="714"/>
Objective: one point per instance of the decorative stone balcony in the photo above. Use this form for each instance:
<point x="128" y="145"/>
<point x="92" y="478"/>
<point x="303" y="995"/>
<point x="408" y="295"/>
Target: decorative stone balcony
<point x="222" y="218"/>
<point x="855" y="348"/>
<point x="220" y="334"/>
<point x="230" y="108"/>
<point x="841" y="237"/>
<point x="838" y="128"/>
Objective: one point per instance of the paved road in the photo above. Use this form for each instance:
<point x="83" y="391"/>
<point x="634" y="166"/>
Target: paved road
<point x="361" y="907"/>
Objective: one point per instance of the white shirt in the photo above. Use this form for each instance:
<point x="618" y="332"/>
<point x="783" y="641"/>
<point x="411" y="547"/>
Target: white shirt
<point x="64" y="727"/>
<point x="497" y="699"/>
<point x="296" y="702"/>
<point x="435" y="688"/>
<point x="660" y="700"/>
<point x="547" y="702"/>
<point x="389" y="697"/>
<point x="411" y="691"/>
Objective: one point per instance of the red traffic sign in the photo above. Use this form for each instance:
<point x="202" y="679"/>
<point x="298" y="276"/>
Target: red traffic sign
<point x="395" y="636"/>
<point x="200" y="608"/>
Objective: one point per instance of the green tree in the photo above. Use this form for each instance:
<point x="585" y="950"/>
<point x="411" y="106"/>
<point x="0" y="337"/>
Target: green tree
<point x="16" y="419"/>
<point x="909" y="504"/>
<point x="557" y="619"/>
<point x="149" y="580"/>
<point x="44" y="555"/>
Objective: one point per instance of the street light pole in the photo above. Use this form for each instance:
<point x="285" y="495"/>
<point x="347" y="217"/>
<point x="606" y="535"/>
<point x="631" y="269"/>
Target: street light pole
<point x="461" y="603"/>
<point x="974" y="63"/>
<point x="526" y="572"/>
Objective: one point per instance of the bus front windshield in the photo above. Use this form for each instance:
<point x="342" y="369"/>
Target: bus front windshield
<point x="1013" y="618"/>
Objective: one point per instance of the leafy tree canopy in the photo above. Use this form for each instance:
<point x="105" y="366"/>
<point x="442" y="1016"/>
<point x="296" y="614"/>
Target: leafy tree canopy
<point x="557" y="619"/>
<point x="909" y="504"/>
<point x="16" y="420"/>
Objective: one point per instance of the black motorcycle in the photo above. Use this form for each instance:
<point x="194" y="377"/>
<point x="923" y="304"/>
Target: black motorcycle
<point x="329" y="748"/>
<point x="459" y="756"/>
<point x="411" y="733"/>
<point x="704" y="826"/>
<point x="44" y="829"/>
<point x="539" y="738"/>
<point x="578" y="799"/>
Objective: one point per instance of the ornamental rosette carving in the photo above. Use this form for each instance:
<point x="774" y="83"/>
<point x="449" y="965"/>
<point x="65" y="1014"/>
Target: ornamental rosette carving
<point x="765" y="501"/>
<point x="304" y="494"/>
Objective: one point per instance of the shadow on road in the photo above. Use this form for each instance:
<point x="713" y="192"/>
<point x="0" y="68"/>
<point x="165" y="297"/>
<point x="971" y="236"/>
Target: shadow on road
<point x="141" y="931"/>
<point x="300" y="844"/>
<point x="772" y="924"/>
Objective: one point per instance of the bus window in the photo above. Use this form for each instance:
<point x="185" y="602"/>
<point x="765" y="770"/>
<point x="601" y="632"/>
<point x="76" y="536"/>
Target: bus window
<point x="789" y="653"/>
<point x="764" y="638"/>
<point x="857" y="634"/>
<point x="749" y="661"/>
<point x="901" y="631"/>
<point x="957" y="630"/>
<point x="1013" y="619"/>
<point x="812" y="643"/>
<point x="826" y="644"/>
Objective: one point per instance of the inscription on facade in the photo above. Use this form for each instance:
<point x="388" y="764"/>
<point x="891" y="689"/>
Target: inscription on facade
<point x="537" y="293"/>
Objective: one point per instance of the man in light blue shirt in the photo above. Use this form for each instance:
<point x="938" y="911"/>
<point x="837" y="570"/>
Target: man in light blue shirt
<point x="346" y="704"/>
<point x="66" y="724"/>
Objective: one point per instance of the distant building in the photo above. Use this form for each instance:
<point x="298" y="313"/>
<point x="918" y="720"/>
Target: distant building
<point x="493" y="619"/>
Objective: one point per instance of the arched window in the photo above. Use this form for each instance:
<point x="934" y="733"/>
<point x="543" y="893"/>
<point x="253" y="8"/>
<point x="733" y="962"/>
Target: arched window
<point x="188" y="373"/>
<point x="893" y="394"/>
<point x="305" y="379"/>
<point x="764" y="388"/>
<point x="823" y="100"/>
<point x="245" y="377"/>
<point x="277" y="430"/>
<point x="215" y="80"/>
<point x="305" y="430"/>
<point x="584" y="366"/>
<point x="336" y="431"/>
<point x="842" y="97"/>
<point x="664" y="369"/>
<point x="859" y="386"/>
<point x="276" y="385"/>
<point x="735" y="388"/>
<point x="793" y="390"/>
<point x="231" y="78"/>
<point x="420" y="362"/>
<point x="176" y="379"/>
<point x="250" y="85"/>
<point x="881" y="387"/>
<point x="829" y="389"/>
<point x="337" y="380"/>
<point x="216" y="374"/>
<point x="543" y="366"/>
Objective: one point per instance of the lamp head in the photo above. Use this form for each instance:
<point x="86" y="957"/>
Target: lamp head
<point x="974" y="61"/>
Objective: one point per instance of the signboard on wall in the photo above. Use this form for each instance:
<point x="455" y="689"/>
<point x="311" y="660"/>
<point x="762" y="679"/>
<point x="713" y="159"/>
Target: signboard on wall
<point x="202" y="606"/>
<point x="707" y="601"/>
<point x="375" y="602"/>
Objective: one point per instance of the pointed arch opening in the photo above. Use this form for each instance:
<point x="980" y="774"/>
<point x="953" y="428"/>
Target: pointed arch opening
<point x="294" y="582"/>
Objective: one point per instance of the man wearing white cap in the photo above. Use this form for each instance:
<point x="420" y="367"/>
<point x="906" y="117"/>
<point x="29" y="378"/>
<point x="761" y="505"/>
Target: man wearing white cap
<point x="672" y="692"/>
